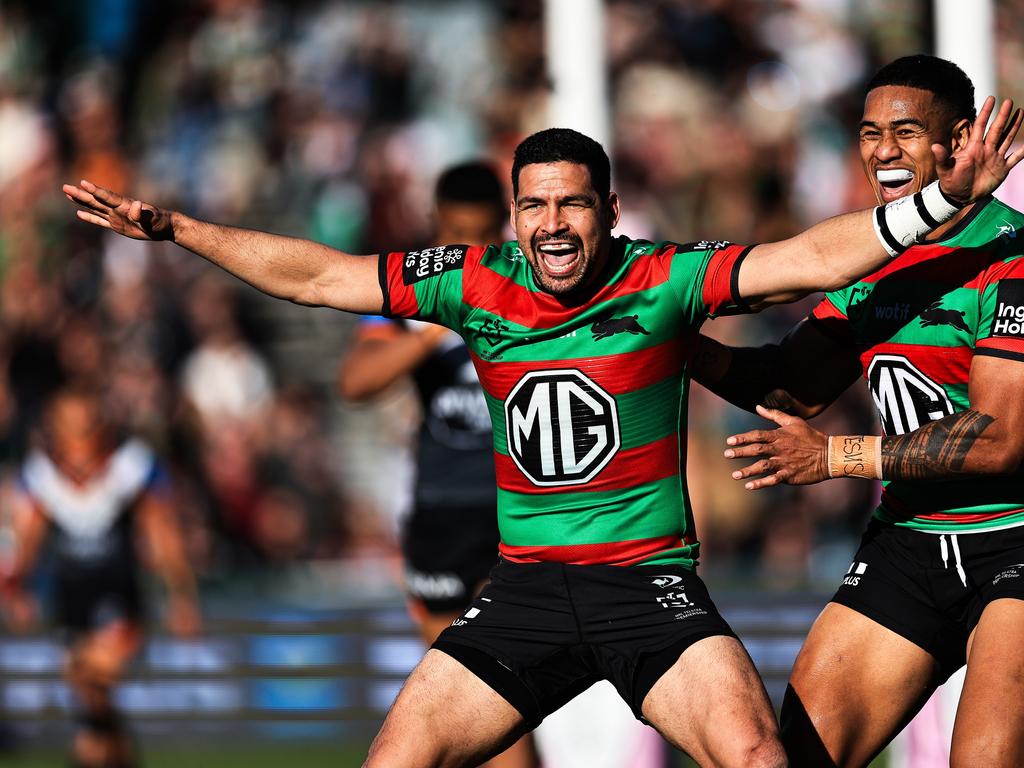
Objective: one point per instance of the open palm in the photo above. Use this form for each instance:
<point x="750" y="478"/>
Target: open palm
<point x="110" y="210"/>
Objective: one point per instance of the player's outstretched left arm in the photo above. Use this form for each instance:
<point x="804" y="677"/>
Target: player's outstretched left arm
<point x="986" y="439"/>
<point x="286" y="267"/>
<point x="840" y="250"/>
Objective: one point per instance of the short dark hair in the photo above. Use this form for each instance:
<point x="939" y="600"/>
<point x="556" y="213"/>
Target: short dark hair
<point x="470" y="182"/>
<point x="564" y="144"/>
<point x="944" y="79"/>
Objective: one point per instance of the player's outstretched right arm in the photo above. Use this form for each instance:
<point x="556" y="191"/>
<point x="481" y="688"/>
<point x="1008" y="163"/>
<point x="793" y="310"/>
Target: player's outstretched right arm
<point x="286" y="267"/>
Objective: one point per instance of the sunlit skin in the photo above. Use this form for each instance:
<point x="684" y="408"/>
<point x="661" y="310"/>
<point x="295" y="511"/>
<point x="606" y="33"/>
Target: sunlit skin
<point x="563" y="227"/>
<point x="897" y="131"/>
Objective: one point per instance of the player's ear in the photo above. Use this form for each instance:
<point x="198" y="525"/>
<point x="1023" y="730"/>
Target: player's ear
<point x="961" y="134"/>
<point x="613" y="210"/>
<point x="512" y="215"/>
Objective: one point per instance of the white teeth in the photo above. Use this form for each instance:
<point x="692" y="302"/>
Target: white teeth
<point x="886" y="175"/>
<point x="557" y="248"/>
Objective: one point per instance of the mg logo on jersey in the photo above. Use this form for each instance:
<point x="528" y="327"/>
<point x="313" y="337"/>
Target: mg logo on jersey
<point x="561" y="428"/>
<point x="904" y="396"/>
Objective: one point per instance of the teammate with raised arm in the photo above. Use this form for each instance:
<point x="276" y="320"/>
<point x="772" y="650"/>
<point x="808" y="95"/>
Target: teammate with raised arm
<point x="581" y="342"/>
<point x="938" y="580"/>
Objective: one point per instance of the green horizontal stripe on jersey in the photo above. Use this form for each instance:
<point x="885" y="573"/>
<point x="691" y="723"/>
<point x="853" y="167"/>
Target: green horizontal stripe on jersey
<point x="952" y="526"/>
<point x="639" y="512"/>
<point x="685" y="556"/>
<point x="649" y="414"/>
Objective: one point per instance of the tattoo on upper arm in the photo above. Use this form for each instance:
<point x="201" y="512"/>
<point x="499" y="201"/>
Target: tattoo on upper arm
<point x="936" y="450"/>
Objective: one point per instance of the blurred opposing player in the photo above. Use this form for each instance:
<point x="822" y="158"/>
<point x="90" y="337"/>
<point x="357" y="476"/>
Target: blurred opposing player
<point x="450" y="538"/>
<point x="94" y="494"/>
<point x="938" y="334"/>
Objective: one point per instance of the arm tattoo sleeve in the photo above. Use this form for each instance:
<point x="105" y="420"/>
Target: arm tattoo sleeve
<point x="936" y="450"/>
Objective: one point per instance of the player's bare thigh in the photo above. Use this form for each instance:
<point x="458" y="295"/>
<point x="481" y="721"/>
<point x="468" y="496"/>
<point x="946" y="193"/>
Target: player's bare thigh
<point x="712" y="704"/>
<point x="444" y="716"/>
<point x="989" y="727"/>
<point x="855" y="684"/>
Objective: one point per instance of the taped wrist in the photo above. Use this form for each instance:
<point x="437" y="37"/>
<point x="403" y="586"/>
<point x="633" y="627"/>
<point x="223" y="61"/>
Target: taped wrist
<point x="855" y="456"/>
<point x="901" y="223"/>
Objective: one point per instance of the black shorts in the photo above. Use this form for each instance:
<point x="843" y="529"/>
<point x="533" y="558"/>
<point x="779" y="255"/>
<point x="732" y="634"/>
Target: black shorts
<point x="541" y="633"/>
<point x="448" y="554"/>
<point x="87" y="600"/>
<point x="932" y="588"/>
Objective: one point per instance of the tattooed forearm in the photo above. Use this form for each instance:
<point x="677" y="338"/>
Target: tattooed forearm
<point x="934" y="451"/>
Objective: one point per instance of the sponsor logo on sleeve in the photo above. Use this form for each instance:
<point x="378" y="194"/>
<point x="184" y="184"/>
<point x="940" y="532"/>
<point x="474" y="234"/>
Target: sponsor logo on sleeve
<point x="1009" y="315"/>
<point x="419" y="265"/>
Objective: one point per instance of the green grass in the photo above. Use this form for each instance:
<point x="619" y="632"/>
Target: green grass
<point x="263" y="756"/>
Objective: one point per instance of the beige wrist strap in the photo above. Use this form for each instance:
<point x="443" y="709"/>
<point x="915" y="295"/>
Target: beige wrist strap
<point x="855" y="456"/>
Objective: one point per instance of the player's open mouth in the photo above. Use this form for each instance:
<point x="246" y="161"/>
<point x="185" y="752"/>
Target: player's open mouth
<point x="894" y="183"/>
<point x="559" y="258"/>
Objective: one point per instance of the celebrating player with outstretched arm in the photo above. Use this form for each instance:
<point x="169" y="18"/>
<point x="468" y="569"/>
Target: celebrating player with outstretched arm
<point x="581" y="342"/>
<point x="937" y="581"/>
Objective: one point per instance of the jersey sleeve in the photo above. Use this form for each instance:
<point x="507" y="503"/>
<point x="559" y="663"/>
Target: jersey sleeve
<point x="427" y="284"/>
<point x="829" y="316"/>
<point x="1001" y="319"/>
<point x="705" y="278"/>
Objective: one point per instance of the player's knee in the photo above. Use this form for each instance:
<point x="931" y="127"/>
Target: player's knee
<point x="764" y="752"/>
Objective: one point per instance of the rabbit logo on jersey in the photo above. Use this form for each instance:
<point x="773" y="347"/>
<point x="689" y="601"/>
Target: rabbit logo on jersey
<point x="1009" y="315"/>
<point x="561" y="428"/>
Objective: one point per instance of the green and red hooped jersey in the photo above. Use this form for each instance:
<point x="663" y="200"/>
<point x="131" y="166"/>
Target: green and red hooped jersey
<point x="917" y="324"/>
<point x="587" y="400"/>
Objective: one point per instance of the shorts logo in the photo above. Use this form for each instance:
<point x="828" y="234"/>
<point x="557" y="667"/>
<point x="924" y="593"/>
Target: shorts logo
<point x="853" y="574"/>
<point x="905" y="397"/>
<point x="1012" y="572"/>
<point x="1009" y="315"/>
<point x="419" y="265"/>
<point x="677" y="599"/>
<point x="561" y="428"/>
<point x="472" y="613"/>
<point x="666" y="581"/>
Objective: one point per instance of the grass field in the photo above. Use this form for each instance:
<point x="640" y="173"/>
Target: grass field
<point x="263" y="756"/>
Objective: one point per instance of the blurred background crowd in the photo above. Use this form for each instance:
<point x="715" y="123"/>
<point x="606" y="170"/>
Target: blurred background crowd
<point x="330" y="120"/>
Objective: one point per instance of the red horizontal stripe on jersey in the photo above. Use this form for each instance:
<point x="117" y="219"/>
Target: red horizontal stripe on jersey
<point x="1005" y="343"/>
<point x="643" y="464"/>
<point x="612" y="553"/>
<point x="826" y="310"/>
<point x="503" y="296"/>
<point x="943" y="365"/>
<point x="924" y="263"/>
<point x="615" y="374"/>
<point x="952" y="517"/>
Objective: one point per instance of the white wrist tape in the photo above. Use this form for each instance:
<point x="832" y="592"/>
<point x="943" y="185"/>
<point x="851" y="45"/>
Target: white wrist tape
<point x="903" y="222"/>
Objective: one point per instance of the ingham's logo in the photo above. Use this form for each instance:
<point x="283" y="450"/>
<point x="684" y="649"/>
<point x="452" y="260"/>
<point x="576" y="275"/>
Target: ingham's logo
<point x="1009" y="315"/>
<point x="904" y="396"/>
<point x="419" y="265"/>
<point x="561" y="428"/>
